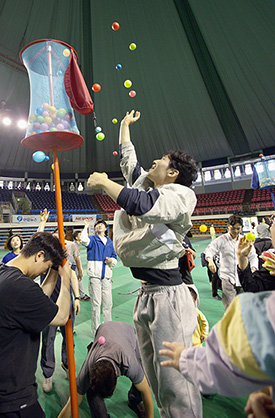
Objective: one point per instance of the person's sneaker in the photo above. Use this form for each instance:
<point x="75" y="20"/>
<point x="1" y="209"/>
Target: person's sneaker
<point x="217" y="297"/>
<point x="47" y="384"/>
<point x="66" y="370"/>
<point x="138" y="409"/>
<point x="58" y="329"/>
<point x="85" y="297"/>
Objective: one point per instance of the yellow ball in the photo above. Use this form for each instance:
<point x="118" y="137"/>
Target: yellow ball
<point x="52" y="166"/>
<point x="51" y="109"/>
<point x="127" y="83"/>
<point x="114" y="121"/>
<point x="66" y="52"/>
<point x="203" y="228"/>
<point x="250" y="236"/>
<point x="132" y="46"/>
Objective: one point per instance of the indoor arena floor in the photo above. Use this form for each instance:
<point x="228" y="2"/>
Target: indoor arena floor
<point x="213" y="407"/>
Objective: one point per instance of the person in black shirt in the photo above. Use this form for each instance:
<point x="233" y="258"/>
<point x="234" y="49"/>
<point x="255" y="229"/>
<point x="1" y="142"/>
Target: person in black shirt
<point x="25" y="310"/>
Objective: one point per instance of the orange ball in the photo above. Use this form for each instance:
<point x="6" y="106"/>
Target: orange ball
<point x="96" y="87"/>
<point x="115" y="26"/>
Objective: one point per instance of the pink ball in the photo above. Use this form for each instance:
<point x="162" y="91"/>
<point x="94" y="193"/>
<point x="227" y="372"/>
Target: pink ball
<point x="115" y="153"/>
<point x="45" y="106"/>
<point x="101" y="340"/>
<point x="66" y="124"/>
<point x="132" y="93"/>
<point x="44" y="127"/>
<point x="36" y="126"/>
<point x="60" y="127"/>
<point x="45" y="114"/>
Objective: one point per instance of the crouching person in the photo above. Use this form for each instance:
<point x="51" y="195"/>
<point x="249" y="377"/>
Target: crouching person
<point x="113" y="353"/>
<point x="25" y="310"/>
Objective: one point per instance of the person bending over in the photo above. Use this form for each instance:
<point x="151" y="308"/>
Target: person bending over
<point x="113" y="353"/>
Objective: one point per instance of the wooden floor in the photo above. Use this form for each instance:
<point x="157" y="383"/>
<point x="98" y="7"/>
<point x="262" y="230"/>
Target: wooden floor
<point x="214" y="407"/>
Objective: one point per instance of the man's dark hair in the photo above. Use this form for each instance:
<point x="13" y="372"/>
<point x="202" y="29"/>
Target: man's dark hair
<point x="9" y="242"/>
<point x="234" y="219"/>
<point x="44" y="241"/>
<point x="75" y="234"/>
<point x="103" y="378"/>
<point x="186" y="166"/>
<point x="100" y="221"/>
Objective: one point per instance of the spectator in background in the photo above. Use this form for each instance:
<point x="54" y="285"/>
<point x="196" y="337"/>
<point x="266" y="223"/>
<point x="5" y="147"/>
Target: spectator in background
<point x="15" y="245"/>
<point x="263" y="228"/>
<point x="79" y="269"/>
<point x="212" y="232"/>
<point x="226" y="245"/>
<point x="101" y="258"/>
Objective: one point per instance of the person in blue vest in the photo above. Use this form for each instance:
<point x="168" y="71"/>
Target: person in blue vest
<point x="101" y="258"/>
<point x="15" y="245"/>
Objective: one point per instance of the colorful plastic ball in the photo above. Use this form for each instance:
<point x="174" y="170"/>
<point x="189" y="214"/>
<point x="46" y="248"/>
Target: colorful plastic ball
<point x="32" y="117"/>
<point x="66" y="52"/>
<point x="47" y="158"/>
<point x="61" y="113"/>
<point x="118" y="66"/>
<point x="66" y="124"/>
<point x="38" y="156"/>
<point x="127" y="83"/>
<point x="101" y="340"/>
<point x="48" y="120"/>
<point x="44" y="127"/>
<point x="45" y="106"/>
<point x="98" y="129"/>
<point x="36" y="126"/>
<point x="132" y="93"/>
<point x="60" y="127"/>
<point x="45" y="114"/>
<point x="68" y="116"/>
<point x="59" y="72"/>
<point x="39" y="110"/>
<point x="39" y="131"/>
<point x="114" y="121"/>
<point x="40" y="119"/>
<point x="115" y="26"/>
<point x="52" y="129"/>
<point x="100" y="136"/>
<point x="250" y="236"/>
<point x="52" y="166"/>
<point x="115" y="153"/>
<point x="96" y="87"/>
<point x="203" y="228"/>
<point x="132" y="46"/>
<point x="267" y="263"/>
<point x="52" y="109"/>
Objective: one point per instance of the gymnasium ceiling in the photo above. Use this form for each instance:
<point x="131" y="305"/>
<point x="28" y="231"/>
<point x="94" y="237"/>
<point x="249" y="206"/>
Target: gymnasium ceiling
<point x="203" y="71"/>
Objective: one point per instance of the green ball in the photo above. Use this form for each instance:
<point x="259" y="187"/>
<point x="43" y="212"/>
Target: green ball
<point x="40" y="119"/>
<point x="100" y="136"/>
<point x="114" y="121"/>
<point x="132" y="46"/>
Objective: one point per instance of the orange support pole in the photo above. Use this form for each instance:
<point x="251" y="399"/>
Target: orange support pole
<point x="69" y="328"/>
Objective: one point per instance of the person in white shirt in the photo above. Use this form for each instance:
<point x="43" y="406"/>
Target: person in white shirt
<point x="226" y="245"/>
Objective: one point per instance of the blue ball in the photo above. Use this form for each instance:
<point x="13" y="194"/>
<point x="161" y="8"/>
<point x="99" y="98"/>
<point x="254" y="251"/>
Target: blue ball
<point x="98" y="129"/>
<point x="47" y="158"/>
<point x="38" y="156"/>
<point x="39" y="131"/>
<point x="60" y="72"/>
<point x="39" y="110"/>
<point x="118" y="66"/>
